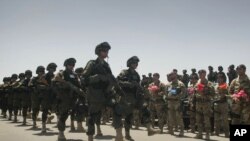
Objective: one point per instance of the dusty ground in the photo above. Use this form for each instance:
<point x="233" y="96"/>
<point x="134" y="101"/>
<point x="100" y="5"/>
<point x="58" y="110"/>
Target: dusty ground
<point x="10" y="131"/>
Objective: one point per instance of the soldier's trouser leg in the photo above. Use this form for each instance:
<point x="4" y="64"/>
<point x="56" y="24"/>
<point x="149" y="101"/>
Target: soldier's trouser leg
<point x="171" y="121"/>
<point x="217" y="122"/>
<point x="44" y="119"/>
<point x="62" y="119"/>
<point x="24" y="113"/>
<point x="192" y="121"/>
<point x="4" y="107"/>
<point x="63" y="115"/>
<point x="207" y="125"/>
<point x="72" y="119"/>
<point x="98" y="123"/>
<point x="199" y="124"/>
<point x="128" y="125"/>
<point x="10" y="109"/>
<point x="136" y="118"/>
<point x="160" y="115"/>
<point x="91" y="120"/>
<point x="35" y="112"/>
<point x="117" y="120"/>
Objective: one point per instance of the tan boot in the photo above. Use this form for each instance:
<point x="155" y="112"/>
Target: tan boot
<point x="151" y="131"/>
<point x="170" y="131"/>
<point x="15" y="119"/>
<point x="10" y="117"/>
<point x="29" y="115"/>
<point x="99" y="131"/>
<point x="198" y="136"/>
<point x="80" y="127"/>
<point x="90" y="138"/>
<point x="61" y="136"/>
<point x="24" y="120"/>
<point x="50" y="118"/>
<point x="127" y="136"/>
<point x="72" y="125"/>
<point x="43" y="127"/>
<point x="181" y="132"/>
<point x="119" y="136"/>
<point x="34" y="124"/>
<point x="207" y="136"/>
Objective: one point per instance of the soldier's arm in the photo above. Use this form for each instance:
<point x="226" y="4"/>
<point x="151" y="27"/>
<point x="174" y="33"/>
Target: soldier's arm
<point x="123" y="80"/>
<point x="90" y="79"/>
<point x="231" y="87"/>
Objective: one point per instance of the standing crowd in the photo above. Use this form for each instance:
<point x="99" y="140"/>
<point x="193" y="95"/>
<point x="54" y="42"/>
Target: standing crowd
<point x="200" y="102"/>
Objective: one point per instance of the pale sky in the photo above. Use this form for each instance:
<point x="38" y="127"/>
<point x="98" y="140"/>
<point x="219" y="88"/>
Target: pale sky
<point x="164" y="34"/>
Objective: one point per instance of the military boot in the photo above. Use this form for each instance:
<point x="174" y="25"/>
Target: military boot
<point x="72" y="125"/>
<point x="170" y="130"/>
<point x="90" y="138"/>
<point x="24" y="120"/>
<point x="99" y="131"/>
<point x="151" y="131"/>
<point x="29" y="115"/>
<point x="34" y="124"/>
<point x="49" y="119"/>
<point x="127" y="136"/>
<point x="119" y="136"/>
<point x="80" y="127"/>
<point x="181" y="132"/>
<point x="61" y="136"/>
<point x="198" y="136"/>
<point x="43" y="127"/>
<point x="4" y="115"/>
<point x="10" y="116"/>
<point x="15" y="118"/>
<point x="207" y="136"/>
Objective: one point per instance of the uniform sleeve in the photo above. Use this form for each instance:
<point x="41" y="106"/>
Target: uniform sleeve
<point x="123" y="79"/>
<point x="231" y="87"/>
<point x="87" y="74"/>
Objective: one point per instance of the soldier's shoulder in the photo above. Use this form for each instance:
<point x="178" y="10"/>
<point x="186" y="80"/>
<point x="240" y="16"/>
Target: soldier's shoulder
<point x="124" y="72"/>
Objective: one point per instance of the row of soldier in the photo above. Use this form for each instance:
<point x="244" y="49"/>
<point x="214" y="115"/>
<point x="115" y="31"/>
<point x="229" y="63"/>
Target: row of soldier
<point x="91" y="90"/>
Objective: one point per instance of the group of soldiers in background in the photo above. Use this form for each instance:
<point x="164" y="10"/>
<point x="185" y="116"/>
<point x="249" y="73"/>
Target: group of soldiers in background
<point x="95" y="94"/>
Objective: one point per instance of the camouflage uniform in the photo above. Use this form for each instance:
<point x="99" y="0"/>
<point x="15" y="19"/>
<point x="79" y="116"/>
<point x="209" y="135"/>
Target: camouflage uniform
<point x="240" y="109"/>
<point x="221" y="109"/>
<point x="175" y="92"/>
<point x="10" y="94"/>
<point x="132" y="98"/>
<point x="17" y="95"/>
<point x="191" y="99"/>
<point x="97" y="74"/>
<point x="40" y="88"/>
<point x="66" y="84"/>
<point x="203" y="100"/>
<point x="4" y="100"/>
<point x="26" y="95"/>
<point x="158" y="105"/>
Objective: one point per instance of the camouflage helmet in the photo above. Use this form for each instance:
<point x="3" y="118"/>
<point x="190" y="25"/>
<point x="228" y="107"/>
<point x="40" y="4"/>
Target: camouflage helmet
<point x="14" y="76"/>
<point x="132" y="60"/>
<point x="40" y="69"/>
<point x="104" y="46"/>
<point x="69" y="61"/>
<point x="231" y="66"/>
<point x="21" y="75"/>
<point x="5" y="79"/>
<point x="28" y="72"/>
<point x="220" y="68"/>
<point x="184" y="71"/>
<point x="79" y="70"/>
<point x="210" y="68"/>
<point x="51" y="66"/>
<point x="193" y="70"/>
